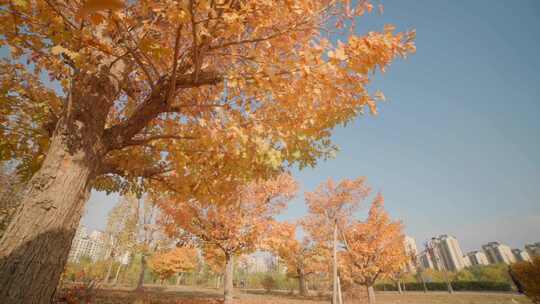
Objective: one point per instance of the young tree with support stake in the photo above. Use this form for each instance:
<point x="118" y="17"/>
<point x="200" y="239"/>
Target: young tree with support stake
<point x="373" y="248"/>
<point x="331" y="207"/>
<point x="236" y="227"/>
<point x="302" y="258"/>
<point x="167" y="91"/>
<point x="121" y="232"/>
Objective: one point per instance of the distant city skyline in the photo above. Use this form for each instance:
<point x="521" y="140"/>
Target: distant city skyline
<point x="455" y="150"/>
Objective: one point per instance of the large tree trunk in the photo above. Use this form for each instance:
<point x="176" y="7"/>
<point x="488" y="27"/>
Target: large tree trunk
<point x="228" y="280"/>
<point x="302" y="283"/>
<point x="334" y="267"/>
<point x="371" y="294"/>
<point x="36" y="244"/>
<point x="140" y="283"/>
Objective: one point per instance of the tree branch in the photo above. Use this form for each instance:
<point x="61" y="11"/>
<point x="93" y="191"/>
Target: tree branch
<point x="145" y="172"/>
<point x="116" y="136"/>
<point x="144" y="141"/>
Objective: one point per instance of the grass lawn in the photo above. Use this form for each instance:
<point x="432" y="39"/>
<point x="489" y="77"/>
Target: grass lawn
<point x="194" y="295"/>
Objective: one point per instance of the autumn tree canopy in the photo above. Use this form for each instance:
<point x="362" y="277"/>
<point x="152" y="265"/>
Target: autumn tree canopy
<point x="175" y="261"/>
<point x="190" y="95"/>
<point x="331" y="207"/>
<point x="203" y="80"/>
<point x="373" y="248"/>
<point x="235" y="228"/>
<point x="302" y="258"/>
<point x="232" y="228"/>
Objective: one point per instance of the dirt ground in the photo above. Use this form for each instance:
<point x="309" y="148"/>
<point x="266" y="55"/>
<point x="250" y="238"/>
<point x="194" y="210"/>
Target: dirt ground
<point x="191" y="295"/>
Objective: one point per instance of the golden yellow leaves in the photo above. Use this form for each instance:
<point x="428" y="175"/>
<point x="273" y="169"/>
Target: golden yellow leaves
<point x="59" y="50"/>
<point x="93" y="6"/>
<point x="378" y="240"/>
<point x="22" y="3"/>
<point x="338" y="54"/>
<point x="180" y="259"/>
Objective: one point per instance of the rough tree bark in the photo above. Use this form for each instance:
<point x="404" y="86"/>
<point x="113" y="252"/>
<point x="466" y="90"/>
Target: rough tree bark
<point x="35" y="247"/>
<point x="228" y="279"/>
<point x="302" y="282"/>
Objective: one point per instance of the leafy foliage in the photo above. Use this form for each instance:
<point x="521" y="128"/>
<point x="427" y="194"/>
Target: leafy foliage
<point x="178" y="260"/>
<point x="301" y="258"/>
<point x="234" y="228"/>
<point x="528" y="275"/>
<point x="220" y="91"/>
<point x="373" y="248"/>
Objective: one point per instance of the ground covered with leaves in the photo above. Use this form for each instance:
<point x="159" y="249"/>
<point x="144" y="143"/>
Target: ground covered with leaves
<point x="190" y="295"/>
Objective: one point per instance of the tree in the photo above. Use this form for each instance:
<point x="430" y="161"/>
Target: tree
<point x="215" y="260"/>
<point x="11" y="188"/>
<point x="175" y="261"/>
<point x="149" y="234"/>
<point x="372" y="248"/>
<point x="234" y="228"/>
<point x="527" y="274"/>
<point x="331" y="207"/>
<point x="170" y="92"/>
<point x="302" y="258"/>
<point x="121" y="231"/>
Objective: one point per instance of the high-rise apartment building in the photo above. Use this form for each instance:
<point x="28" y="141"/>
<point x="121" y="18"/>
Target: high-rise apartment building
<point x="521" y="255"/>
<point x="533" y="249"/>
<point x="410" y="249"/>
<point x="477" y="258"/>
<point x="91" y="245"/>
<point x="425" y="260"/>
<point x="498" y="253"/>
<point x="448" y="253"/>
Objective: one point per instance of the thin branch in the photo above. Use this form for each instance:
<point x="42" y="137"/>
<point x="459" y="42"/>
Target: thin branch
<point x="172" y="88"/>
<point x="144" y="141"/>
<point x="60" y="14"/>
<point x="194" y="35"/>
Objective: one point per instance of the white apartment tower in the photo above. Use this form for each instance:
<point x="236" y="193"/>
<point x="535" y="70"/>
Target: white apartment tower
<point x="477" y="258"/>
<point x="533" y="249"/>
<point x="499" y="253"/>
<point x="449" y="253"/>
<point x="521" y="255"/>
<point x="84" y="244"/>
<point x="410" y="249"/>
<point x="425" y="261"/>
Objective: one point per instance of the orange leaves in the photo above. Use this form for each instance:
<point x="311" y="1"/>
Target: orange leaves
<point x="373" y="248"/>
<point x="279" y="83"/>
<point x="332" y="202"/>
<point x="239" y="226"/>
<point x="177" y="260"/>
<point x="92" y="6"/>
<point x="300" y="256"/>
<point x="527" y="273"/>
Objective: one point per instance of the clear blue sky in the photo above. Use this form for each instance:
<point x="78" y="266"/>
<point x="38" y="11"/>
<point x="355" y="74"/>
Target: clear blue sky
<point x="456" y="149"/>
